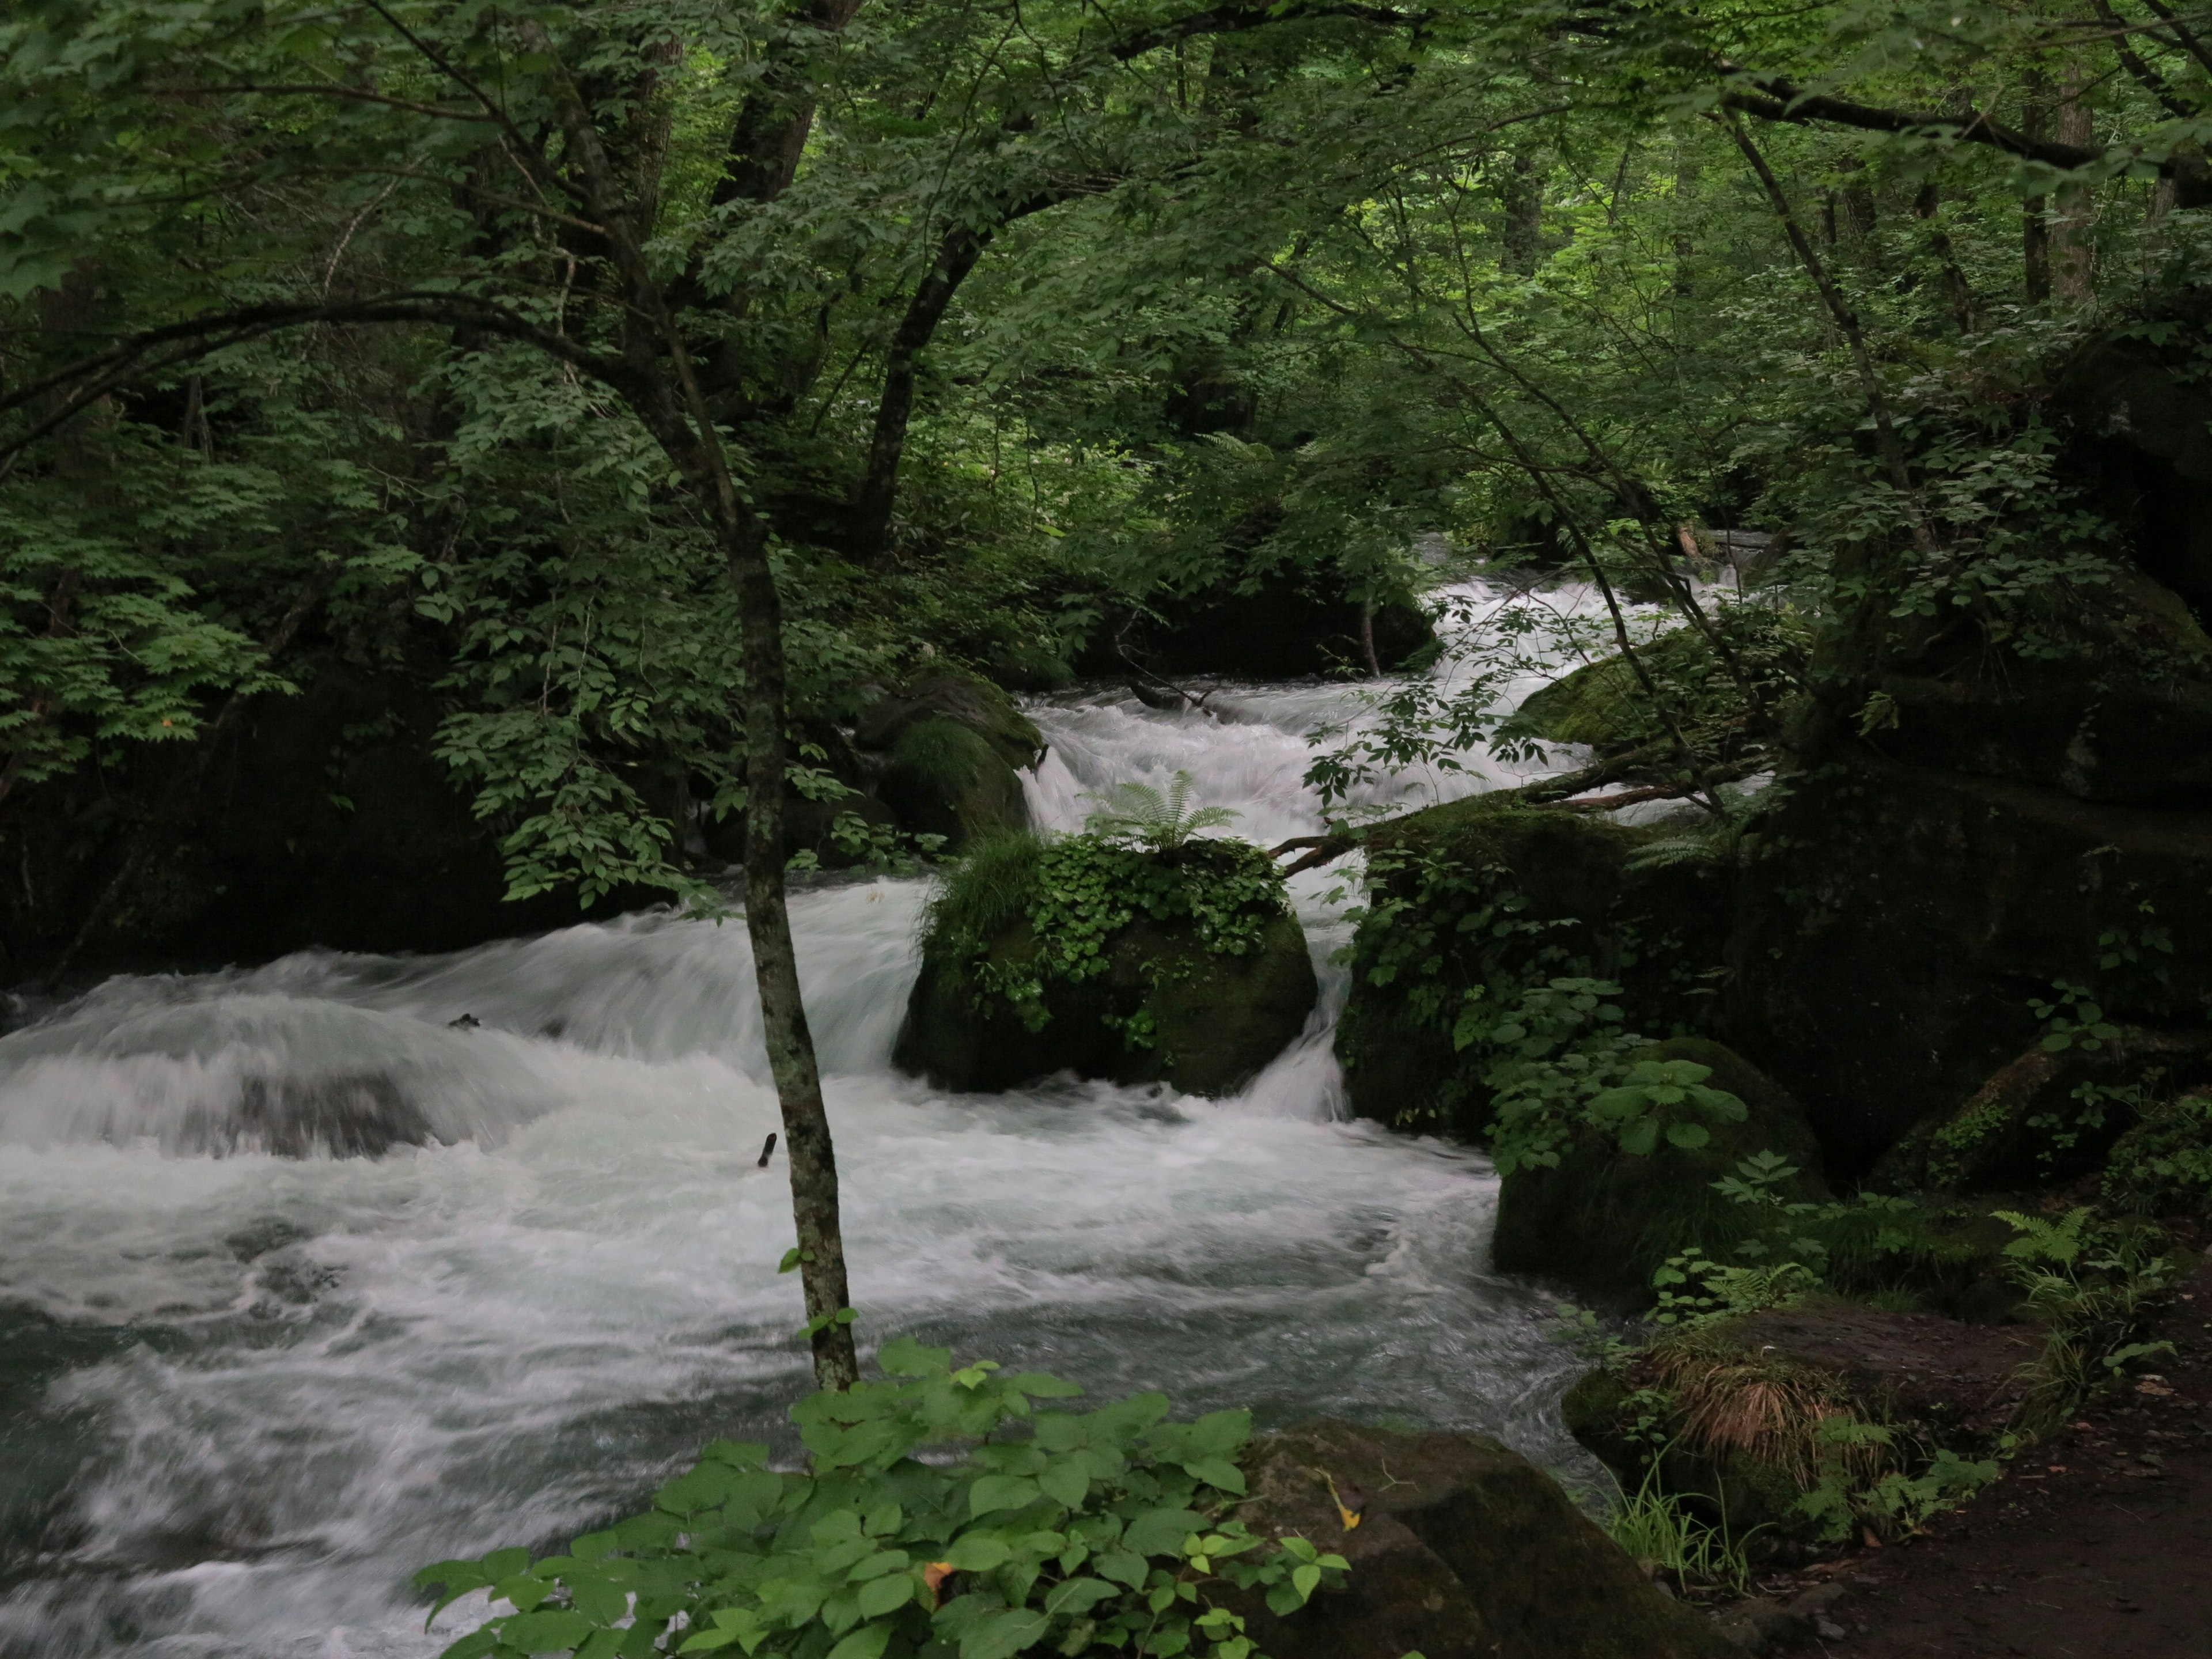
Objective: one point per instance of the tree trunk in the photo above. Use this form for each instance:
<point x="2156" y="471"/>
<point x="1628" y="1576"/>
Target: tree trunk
<point x="955" y="256"/>
<point x="2034" y="221"/>
<point x="2073" y="276"/>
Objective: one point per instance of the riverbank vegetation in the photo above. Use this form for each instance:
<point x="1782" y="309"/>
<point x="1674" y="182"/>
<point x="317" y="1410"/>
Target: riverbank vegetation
<point x="457" y="464"/>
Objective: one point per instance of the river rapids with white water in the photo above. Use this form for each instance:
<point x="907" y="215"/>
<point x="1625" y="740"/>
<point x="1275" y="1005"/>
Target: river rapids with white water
<point x="244" y="1397"/>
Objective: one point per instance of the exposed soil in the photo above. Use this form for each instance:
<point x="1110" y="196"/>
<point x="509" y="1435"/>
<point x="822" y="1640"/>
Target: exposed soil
<point x="2097" y="1544"/>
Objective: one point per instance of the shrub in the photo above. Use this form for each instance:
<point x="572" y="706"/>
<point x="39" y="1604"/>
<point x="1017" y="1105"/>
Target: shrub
<point x="1055" y="1530"/>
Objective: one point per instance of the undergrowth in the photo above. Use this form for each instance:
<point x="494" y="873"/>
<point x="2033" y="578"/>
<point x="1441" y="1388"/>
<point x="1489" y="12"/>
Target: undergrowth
<point x="946" y="1514"/>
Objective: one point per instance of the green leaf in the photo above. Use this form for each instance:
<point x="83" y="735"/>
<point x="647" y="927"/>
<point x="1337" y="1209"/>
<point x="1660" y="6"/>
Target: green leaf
<point x="905" y="1357"/>
<point x="1000" y="1634"/>
<point x="1075" y="1596"/>
<point x="1688" y="1136"/>
<point x="1066" y="1482"/>
<point x="1161" y="1532"/>
<point x="545" y="1632"/>
<point x="867" y="1643"/>
<point x="886" y="1595"/>
<point x="1640" y="1137"/>
<point x="1305" y="1579"/>
<point x="1002" y="1491"/>
<point x="978" y="1551"/>
<point x="1039" y="1385"/>
<point x="1126" y="1567"/>
<point x="1218" y="1472"/>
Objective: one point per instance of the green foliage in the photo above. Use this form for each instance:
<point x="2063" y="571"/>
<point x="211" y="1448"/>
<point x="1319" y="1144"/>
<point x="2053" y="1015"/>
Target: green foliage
<point x="2163" y="1166"/>
<point x="1077" y="894"/>
<point x="1160" y="823"/>
<point x="1843" y="1502"/>
<point x="1048" y="1530"/>
<point x="2096" y="1287"/>
<point x="1661" y="1532"/>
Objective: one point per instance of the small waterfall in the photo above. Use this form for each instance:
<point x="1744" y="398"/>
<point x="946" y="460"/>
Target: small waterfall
<point x="247" y="1390"/>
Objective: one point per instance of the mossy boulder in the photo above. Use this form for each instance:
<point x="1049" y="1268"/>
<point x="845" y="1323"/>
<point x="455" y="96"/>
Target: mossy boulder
<point x="1462" y="1549"/>
<point x="1604" y="705"/>
<point x="2162" y="1166"/>
<point x="1478" y="895"/>
<point x="1733" y="1410"/>
<point x="1602" y="1220"/>
<point x="2044" y="1118"/>
<point x="1894" y="925"/>
<point x="948" y="749"/>
<point x="1161" y="1002"/>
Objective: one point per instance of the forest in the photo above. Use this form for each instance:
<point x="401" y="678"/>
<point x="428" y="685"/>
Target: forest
<point x="1478" y="732"/>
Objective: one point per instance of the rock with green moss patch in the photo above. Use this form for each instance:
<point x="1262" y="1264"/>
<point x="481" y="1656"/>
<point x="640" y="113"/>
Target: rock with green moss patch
<point x="1603" y="1219"/>
<point x="2047" y="1116"/>
<point x="1476" y="898"/>
<point x="1196" y="975"/>
<point x="949" y="749"/>
<point x="1462" y="1550"/>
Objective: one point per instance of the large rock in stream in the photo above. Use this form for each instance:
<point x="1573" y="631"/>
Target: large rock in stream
<point x="1461" y="1549"/>
<point x="1165" y="1006"/>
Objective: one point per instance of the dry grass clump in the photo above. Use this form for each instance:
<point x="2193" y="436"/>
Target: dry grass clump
<point x="1732" y="1403"/>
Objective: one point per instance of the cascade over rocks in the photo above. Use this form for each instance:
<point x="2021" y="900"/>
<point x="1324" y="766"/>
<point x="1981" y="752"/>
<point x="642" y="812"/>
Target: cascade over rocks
<point x="1463" y="1550"/>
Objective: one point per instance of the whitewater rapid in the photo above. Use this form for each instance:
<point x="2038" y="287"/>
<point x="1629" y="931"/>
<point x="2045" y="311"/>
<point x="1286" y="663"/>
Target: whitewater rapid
<point x="243" y="1396"/>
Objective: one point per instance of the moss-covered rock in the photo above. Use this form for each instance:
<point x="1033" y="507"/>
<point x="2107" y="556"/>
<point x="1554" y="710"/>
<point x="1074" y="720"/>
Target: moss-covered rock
<point x="1482" y="894"/>
<point x="948" y="749"/>
<point x="2043" y="1118"/>
<point x="1734" y="1413"/>
<point x="1166" y="998"/>
<point x="1894" y="925"/>
<point x="1602" y="1220"/>
<point x="1462" y="1550"/>
<point x="1604" y="703"/>
<point x="2163" y="1166"/>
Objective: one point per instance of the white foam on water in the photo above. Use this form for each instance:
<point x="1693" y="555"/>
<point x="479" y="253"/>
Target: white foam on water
<point x="322" y="1372"/>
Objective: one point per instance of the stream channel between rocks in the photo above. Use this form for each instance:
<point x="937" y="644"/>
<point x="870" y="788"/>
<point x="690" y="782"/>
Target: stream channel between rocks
<point x="243" y="1396"/>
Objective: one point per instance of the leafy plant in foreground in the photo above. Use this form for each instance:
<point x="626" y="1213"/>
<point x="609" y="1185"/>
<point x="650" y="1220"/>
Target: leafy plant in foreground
<point x="1077" y="1532"/>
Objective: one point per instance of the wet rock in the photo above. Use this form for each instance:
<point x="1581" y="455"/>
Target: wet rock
<point x="1213" y="1021"/>
<point x="356" y="1115"/>
<point x="1893" y="924"/>
<point x="1603" y="1220"/>
<point x="1503" y="894"/>
<point x="1462" y="1550"/>
<point x="948" y="750"/>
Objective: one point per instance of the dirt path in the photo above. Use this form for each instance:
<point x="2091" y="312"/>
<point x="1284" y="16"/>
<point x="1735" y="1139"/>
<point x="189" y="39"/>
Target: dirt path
<point x="2097" y="1545"/>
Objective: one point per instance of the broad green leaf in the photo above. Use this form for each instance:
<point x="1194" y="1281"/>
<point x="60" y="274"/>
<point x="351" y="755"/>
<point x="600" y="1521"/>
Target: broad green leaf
<point x="1002" y="1491"/>
<point x="978" y="1551"/>
<point x="1125" y="1567"/>
<point x="867" y="1643"/>
<point x="1161" y="1532"/>
<point x="1000" y="1634"/>
<point x="881" y="1595"/>
<point x="545" y="1632"/>
<point x="1218" y="1472"/>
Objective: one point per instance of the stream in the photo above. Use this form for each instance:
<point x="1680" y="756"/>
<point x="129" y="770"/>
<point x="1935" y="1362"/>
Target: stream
<point x="243" y="1396"/>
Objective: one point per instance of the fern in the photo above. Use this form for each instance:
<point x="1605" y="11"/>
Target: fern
<point x="1160" y="822"/>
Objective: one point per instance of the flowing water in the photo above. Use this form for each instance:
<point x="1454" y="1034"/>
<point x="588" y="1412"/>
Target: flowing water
<point x="243" y="1396"/>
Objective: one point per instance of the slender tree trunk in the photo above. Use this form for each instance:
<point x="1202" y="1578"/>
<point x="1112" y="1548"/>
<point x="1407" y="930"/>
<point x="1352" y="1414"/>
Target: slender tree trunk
<point x="955" y="256"/>
<point x="2035" y="211"/>
<point x="661" y="385"/>
<point x="2073" y="276"/>
<point x="1522" y="197"/>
